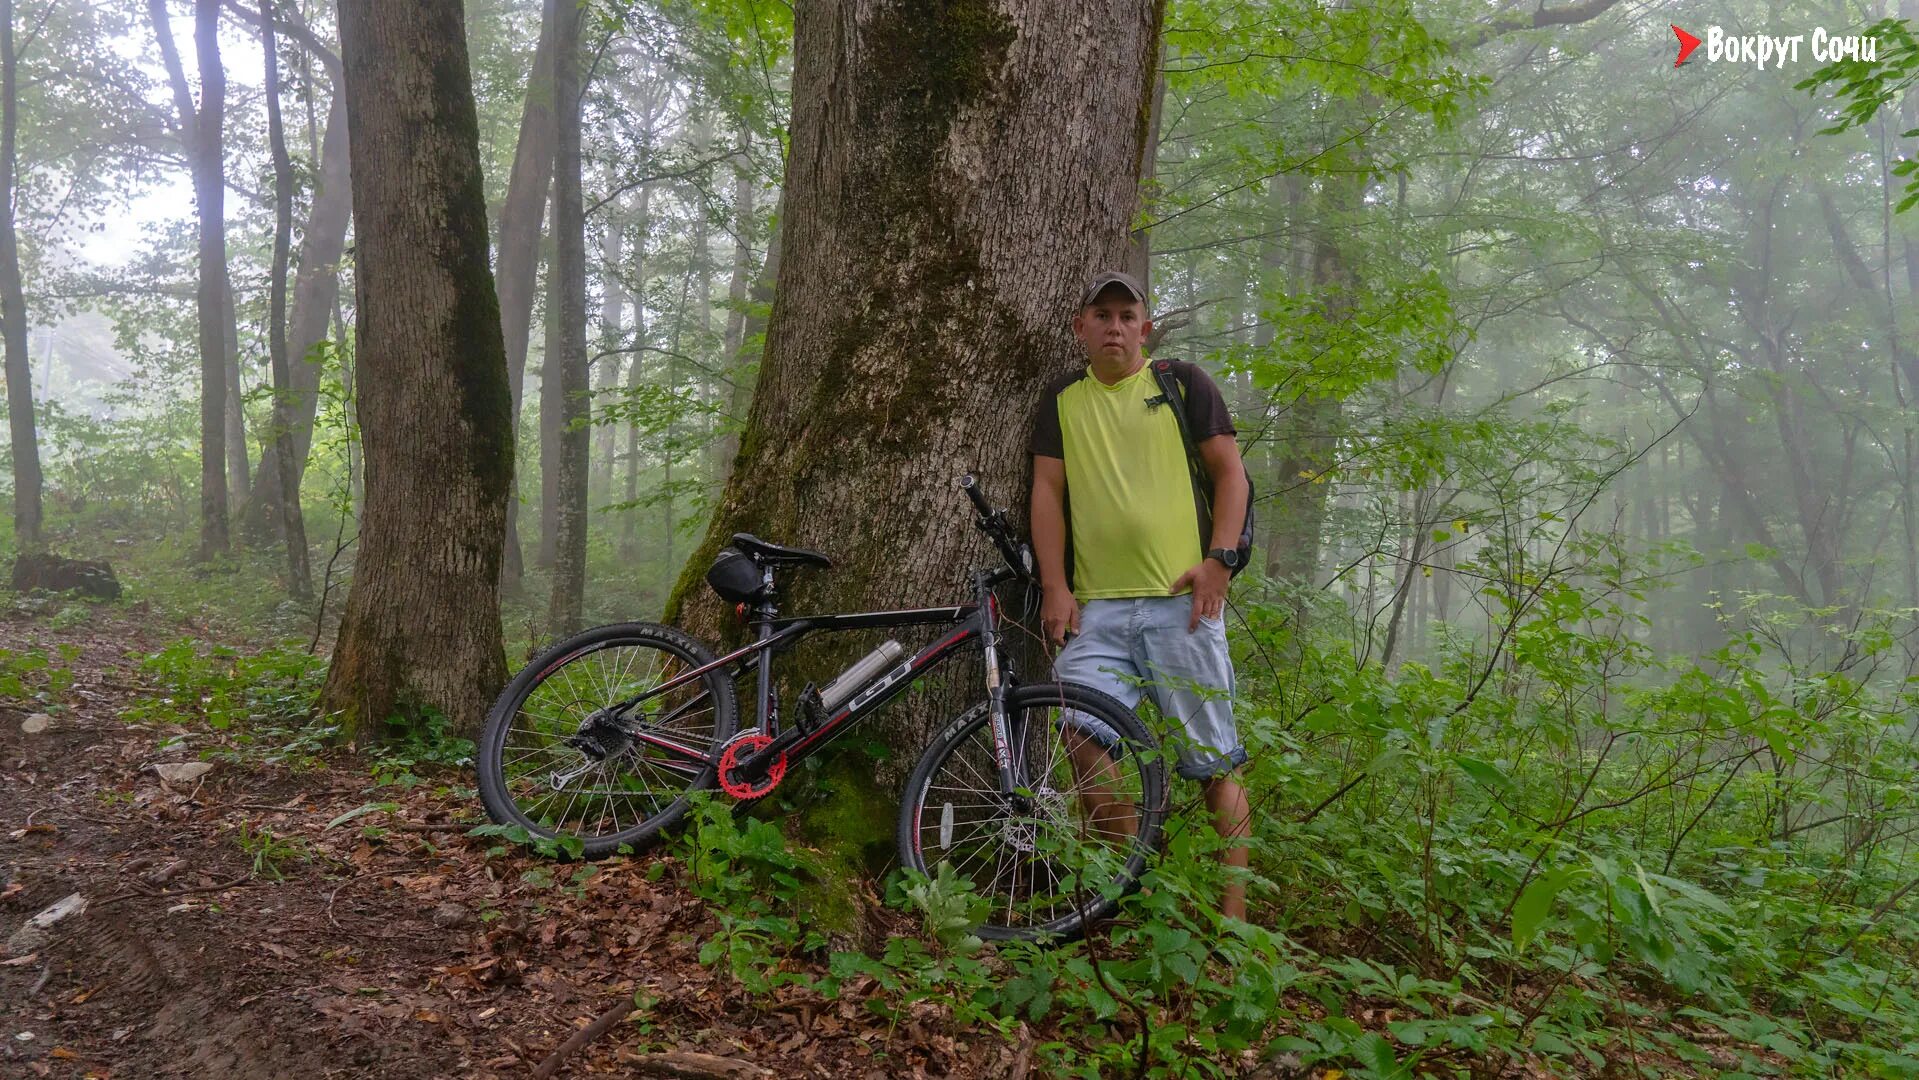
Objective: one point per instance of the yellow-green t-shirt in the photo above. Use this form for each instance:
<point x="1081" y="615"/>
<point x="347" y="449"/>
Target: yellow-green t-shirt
<point x="1133" y="519"/>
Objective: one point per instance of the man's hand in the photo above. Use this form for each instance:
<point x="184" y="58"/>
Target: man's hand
<point x="1208" y="581"/>
<point x="1058" y="614"/>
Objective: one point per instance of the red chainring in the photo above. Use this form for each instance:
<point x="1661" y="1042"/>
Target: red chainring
<point x="740" y="746"/>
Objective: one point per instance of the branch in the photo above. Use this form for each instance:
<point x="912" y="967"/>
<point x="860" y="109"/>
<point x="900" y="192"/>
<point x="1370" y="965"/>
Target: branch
<point x="1542" y="18"/>
<point x="691" y="170"/>
<point x="297" y="29"/>
<point x="176" y="75"/>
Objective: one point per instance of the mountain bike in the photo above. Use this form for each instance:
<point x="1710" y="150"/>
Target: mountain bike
<point x="1046" y="798"/>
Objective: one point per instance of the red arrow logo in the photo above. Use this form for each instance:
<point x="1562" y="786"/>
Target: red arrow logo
<point x="1687" y="43"/>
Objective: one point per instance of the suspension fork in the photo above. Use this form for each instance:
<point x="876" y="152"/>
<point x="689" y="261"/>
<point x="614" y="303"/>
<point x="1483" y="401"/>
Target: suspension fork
<point x="1004" y="761"/>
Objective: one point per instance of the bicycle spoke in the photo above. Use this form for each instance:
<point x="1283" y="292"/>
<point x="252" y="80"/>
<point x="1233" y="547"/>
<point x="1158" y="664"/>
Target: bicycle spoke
<point x="561" y="725"/>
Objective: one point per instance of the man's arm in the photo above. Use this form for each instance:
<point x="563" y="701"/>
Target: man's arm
<point x="1230" y="489"/>
<point x="1059" y="610"/>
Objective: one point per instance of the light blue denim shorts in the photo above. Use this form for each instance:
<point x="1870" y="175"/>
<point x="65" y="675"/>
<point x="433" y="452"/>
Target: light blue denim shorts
<point x="1131" y="646"/>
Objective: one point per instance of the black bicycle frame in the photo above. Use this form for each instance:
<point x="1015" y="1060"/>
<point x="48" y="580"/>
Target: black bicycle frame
<point x="975" y="621"/>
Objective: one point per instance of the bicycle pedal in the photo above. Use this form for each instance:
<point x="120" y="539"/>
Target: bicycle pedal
<point x="812" y="710"/>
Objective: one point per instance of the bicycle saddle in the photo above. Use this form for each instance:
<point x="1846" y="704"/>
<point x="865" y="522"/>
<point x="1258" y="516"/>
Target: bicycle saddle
<point x="778" y="555"/>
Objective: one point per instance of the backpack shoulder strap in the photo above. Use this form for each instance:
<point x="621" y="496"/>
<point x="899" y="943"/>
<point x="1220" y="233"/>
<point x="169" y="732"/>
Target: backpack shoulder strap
<point x="1169" y="388"/>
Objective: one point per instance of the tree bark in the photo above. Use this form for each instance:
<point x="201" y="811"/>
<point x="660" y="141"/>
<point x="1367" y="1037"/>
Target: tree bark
<point x="959" y="166"/>
<point x="200" y="133"/>
<point x="567" y="368"/>
<point x="421" y="630"/>
<point x="519" y="244"/>
<point x="25" y="443"/>
<point x="292" y="525"/>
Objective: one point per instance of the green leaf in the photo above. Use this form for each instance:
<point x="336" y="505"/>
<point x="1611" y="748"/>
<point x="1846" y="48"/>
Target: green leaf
<point x="364" y="810"/>
<point x="1536" y="902"/>
<point x="1485" y="774"/>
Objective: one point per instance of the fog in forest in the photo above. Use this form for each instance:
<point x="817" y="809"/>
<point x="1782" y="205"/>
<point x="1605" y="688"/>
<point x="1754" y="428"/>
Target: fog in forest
<point x="1577" y="386"/>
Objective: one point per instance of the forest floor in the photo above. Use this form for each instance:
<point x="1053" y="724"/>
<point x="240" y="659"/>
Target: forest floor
<point x="230" y="932"/>
<point x="235" y="926"/>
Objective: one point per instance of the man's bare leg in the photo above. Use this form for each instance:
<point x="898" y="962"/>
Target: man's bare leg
<point x="1232" y="819"/>
<point x="1109" y="815"/>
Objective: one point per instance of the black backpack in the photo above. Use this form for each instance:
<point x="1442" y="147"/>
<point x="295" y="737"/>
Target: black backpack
<point x="1202" y="484"/>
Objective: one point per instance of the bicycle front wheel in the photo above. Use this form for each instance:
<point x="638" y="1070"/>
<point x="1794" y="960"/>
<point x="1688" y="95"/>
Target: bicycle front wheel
<point x="559" y="759"/>
<point x="1089" y="803"/>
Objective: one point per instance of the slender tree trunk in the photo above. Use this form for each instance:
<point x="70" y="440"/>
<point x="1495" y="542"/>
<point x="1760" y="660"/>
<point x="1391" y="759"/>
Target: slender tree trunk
<point x="316" y="287"/>
<point x="733" y="343"/>
<point x="519" y="242"/>
<point x="422" y="623"/>
<point x="551" y="413"/>
<point x="950" y="165"/>
<point x="210" y="198"/>
<point x="612" y="316"/>
<point x="292" y="525"/>
<point x="567" y="369"/>
<point x="201" y="133"/>
<point x="239" y="480"/>
<point x="1308" y="437"/>
<point x="636" y="376"/>
<point x="27" y="482"/>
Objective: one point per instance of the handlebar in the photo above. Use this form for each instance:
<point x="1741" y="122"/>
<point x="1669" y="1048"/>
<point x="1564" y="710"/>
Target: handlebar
<point x="993" y="523"/>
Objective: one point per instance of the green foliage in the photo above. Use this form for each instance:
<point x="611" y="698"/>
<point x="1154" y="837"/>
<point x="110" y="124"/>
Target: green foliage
<point x="744" y="870"/>
<point x="262" y="703"/>
<point x="1864" y="87"/>
<point x="36" y="679"/>
<point x="269" y="851"/>
<point x="419" y="744"/>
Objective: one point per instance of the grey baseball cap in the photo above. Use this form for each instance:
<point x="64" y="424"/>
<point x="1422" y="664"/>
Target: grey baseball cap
<point x="1106" y="278"/>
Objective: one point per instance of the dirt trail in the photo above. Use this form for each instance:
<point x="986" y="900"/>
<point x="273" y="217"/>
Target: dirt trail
<point x="408" y="953"/>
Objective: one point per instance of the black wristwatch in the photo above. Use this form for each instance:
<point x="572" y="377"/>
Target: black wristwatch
<point x="1227" y="557"/>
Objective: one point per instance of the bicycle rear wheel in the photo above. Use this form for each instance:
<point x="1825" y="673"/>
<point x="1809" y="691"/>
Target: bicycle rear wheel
<point x="556" y="759"/>
<point x="1077" y="836"/>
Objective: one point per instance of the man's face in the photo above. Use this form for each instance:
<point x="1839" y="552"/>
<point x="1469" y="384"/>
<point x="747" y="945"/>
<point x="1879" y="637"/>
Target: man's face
<point x="1113" y="327"/>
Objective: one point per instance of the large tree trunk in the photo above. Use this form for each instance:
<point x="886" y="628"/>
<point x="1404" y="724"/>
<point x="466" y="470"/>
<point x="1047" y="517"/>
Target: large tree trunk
<point x="316" y="285"/>
<point x="200" y="129"/>
<point x="957" y="171"/>
<point x="13" y="312"/>
<point x="292" y="525"/>
<point x="422" y="623"/>
<point x="566" y="368"/>
<point x="519" y="243"/>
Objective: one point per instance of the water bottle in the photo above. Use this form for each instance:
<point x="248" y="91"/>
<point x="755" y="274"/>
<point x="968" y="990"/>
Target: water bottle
<point x="854" y="678"/>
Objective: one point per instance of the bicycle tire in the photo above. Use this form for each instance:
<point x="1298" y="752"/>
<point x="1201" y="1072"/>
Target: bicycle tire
<point x="497" y="754"/>
<point x="968" y="734"/>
